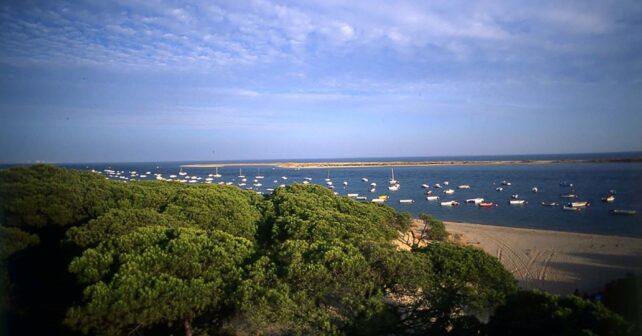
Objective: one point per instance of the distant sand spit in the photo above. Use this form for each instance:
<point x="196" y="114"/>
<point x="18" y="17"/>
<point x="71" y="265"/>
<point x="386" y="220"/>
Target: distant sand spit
<point x="557" y="262"/>
<point x="364" y="164"/>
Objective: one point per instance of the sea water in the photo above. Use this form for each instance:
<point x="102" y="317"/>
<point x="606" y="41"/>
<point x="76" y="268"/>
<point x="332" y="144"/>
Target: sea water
<point x="591" y="182"/>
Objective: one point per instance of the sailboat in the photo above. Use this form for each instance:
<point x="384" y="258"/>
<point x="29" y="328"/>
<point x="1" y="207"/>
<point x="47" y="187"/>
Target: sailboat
<point x="394" y="184"/>
<point x="328" y="178"/>
<point x="258" y="174"/>
<point x="241" y="174"/>
<point x="181" y="172"/>
<point x="217" y="174"/>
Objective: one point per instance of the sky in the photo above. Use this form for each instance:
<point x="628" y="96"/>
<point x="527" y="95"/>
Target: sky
<point x="156" y="80"/>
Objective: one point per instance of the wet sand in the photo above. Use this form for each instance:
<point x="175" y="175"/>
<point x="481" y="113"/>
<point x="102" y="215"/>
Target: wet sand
<point x="558" y="262"/>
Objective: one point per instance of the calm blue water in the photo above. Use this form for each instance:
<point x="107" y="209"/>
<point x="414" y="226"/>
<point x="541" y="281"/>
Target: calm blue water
<point x="590" y="181"/>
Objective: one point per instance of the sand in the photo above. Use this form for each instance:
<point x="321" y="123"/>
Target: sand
<point x="557" y="262"/>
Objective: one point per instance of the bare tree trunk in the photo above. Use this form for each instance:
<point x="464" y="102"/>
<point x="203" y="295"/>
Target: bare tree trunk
<point x="188" y="326"/>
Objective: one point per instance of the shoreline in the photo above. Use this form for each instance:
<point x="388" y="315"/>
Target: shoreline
<point x="367" y="164"/>
<point x="554" y="261"/>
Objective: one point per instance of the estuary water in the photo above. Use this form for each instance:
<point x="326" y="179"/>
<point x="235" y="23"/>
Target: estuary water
<point x="591" y="182"/>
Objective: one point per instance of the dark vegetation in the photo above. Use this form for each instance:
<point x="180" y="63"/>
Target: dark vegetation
<point x="85" y="255"/>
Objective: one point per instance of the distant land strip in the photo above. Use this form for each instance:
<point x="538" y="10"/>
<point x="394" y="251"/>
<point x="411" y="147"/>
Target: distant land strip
<point x="313" y="165"/>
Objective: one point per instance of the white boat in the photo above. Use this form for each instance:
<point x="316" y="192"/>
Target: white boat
<point x="378" y="200"/>
<point x="534" y="189"/>
<point x="475" y="200"/>
<point x="244" y="180"/>
<point x="228" y="183"/>
<point x="345" y="183"/>
<point x="437" y="185"/>
<point x="364" y="179"/>
<point x="516" y="202"/>
<point x="258" y="174"/>
<point x="306" y="182"/>
<point x="392" y="179"/>
<point x="373" y="184"/>
<point x="181" y="172"/>
<point x="425" y="186"/>
<point x="499" y="188"/>
<point x="514" y="196"/>
<point x="328" y="178"/>
<point x="449" y="191"/>
<point x="307" y="178"/>
<point x="570" y="208"/>
<point x="242" y="184"/>
<point x="406" y="201"/>
<point x="284" y="177"/>
<point x="464" y="186"/>
<point x="506" y="183"/>
<point x="446" y="182"/>
<point x="143" y="176"/>
<point x="209" y="179"/>
<point x="216" y="174"/>
<point x="432" y="198"/>
<point x="241" y="174"/>
<point x="579" y="204"/>
<point x="258" y="184"/>
<point x="353" y="195"/>
<point x="373" y="189"/>
<point x="450" y="204"/>
<point x="609" y="198"/>
<point x="329" y="183"/>
<point x="172" y="176"/>
<point x="393" y="187"/>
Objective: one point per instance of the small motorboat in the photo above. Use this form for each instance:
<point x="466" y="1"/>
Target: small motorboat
<point x="432" y="198"/>
<point x="499" y="189"/>
<point x="609" y="199"/>
<point x="579" y="204"/>
<point x="475" y="200"/>
<point x="517" y="202"/>
<point x="373" y="189"/>
<point x="449" y="191"/>
<point x="429" y="192"/>
<point x="514" y="196"/>
<point x="464" y="186"/>
<point x="437" y="185"/>
<point x="378" y="200"/>
<point x="373" y="184"/>
<point x="364" y="179"/>
<point x="549" y="204"/>
<point x="568" y="196"/>
<point x="506" y="183"/>
<point x="622" y="212"/>
<point x="353" y="195"/>
<point x="393" y="187"/>
<point x="345" y="183"/>
<point x="566" y="184"/>
<point x="486" y="204"/>
<point x="570" y="208"/>
<point x="425" y="186"/>
<point x="450" y="204"/>
<point x="446" y="182"/>
<point x="406" y="201"/>
<point x="534" y="189"/>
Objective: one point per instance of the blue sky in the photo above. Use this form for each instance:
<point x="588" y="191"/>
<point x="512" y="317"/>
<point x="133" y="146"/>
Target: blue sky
<point x="85" y="81"/>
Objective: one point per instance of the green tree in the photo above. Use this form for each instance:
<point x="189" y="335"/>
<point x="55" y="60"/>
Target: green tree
<point x="463" y="282"/>
<point x="537" y="313"/>
<point x="156" y="275"/>
<point x="436" y="228"/>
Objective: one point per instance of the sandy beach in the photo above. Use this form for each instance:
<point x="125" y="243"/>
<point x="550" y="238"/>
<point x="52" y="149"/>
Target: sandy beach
<point x="558" y="262"/>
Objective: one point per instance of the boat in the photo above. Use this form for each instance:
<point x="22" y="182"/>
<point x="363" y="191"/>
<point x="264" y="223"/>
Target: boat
<point x="486" y="204"/>
<point x="475" y="200"/>
<point x="568" y="196"/>
<point x="432" y="198"/>
<point x="216" y="173"/>
<point x="514" y="196"/>
<point x="361" y="198"/>
<point x="579" y="204"/>
<point x="450" y="204"/>
<point x="570" y="208"/>
<point x="373" y="189"/>
<point x="516" y="202"/>
<point x="181" y="172"/>
<point x="506" y="183"/>
<point x="378" y="200"/>
<point x="622" y="212"/>
<point x="258" y="174"/>
<point x="353" y="195"/>
<point x="393" y="187"/>
<point x="550" y="204"/>
<point x="331" y="187"/>
<point x="258" y="185"/>
<point x="345" y="183"/>
<point x="534" y="189"/>
<point x="425" y="186"/>
<point x="385" y="197"/>
<point x="373" y="184"/>
<point x="329" y="183"/>
<point x="392" y="179"/>
<point x="609" y="198"/>
<point x="612" y="192"/>
<point x="241" y="174"/>
<point x="406" y="201"/>
<point x="284" y="177"/>
<point x="464" y="186"/>
<point x="364" y="179"/>
<point x="566" y="184"/>
<point x="449" y="191"/>
<point x="306" y="182"/>
<point x="446" y="182"/>
<point x="499" y="189"/>
<point x="437" y="185"/>
<point x="429" y="192"/>
<point x="307" y="179"/>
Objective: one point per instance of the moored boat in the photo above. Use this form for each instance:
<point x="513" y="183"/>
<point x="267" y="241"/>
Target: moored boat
<point x="623" y="212"/>
<point x="486" y="204"/>
<point x="570" y="208"/>
<point x="549" y="204"/>
<point x="534" y="189"/>
<point x="609" y="198"/>
<point x="579" y="204"/>
<point x="464" y="186"/>
<point x="432" y="198"/>
<point x="568" y="196"/>
<point x="514" y="196"/>
<point x="449" y="191"/>
<point x="437" y="185"/>
<point x="425" y="186"/>
<point x="499" y="189"/>
<point x="364" y="179"/>
<point x="406" y="201"/>
<point x="450" y="204"/>
<point x="475" y="200"/>
<point x="516" y="202"/>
